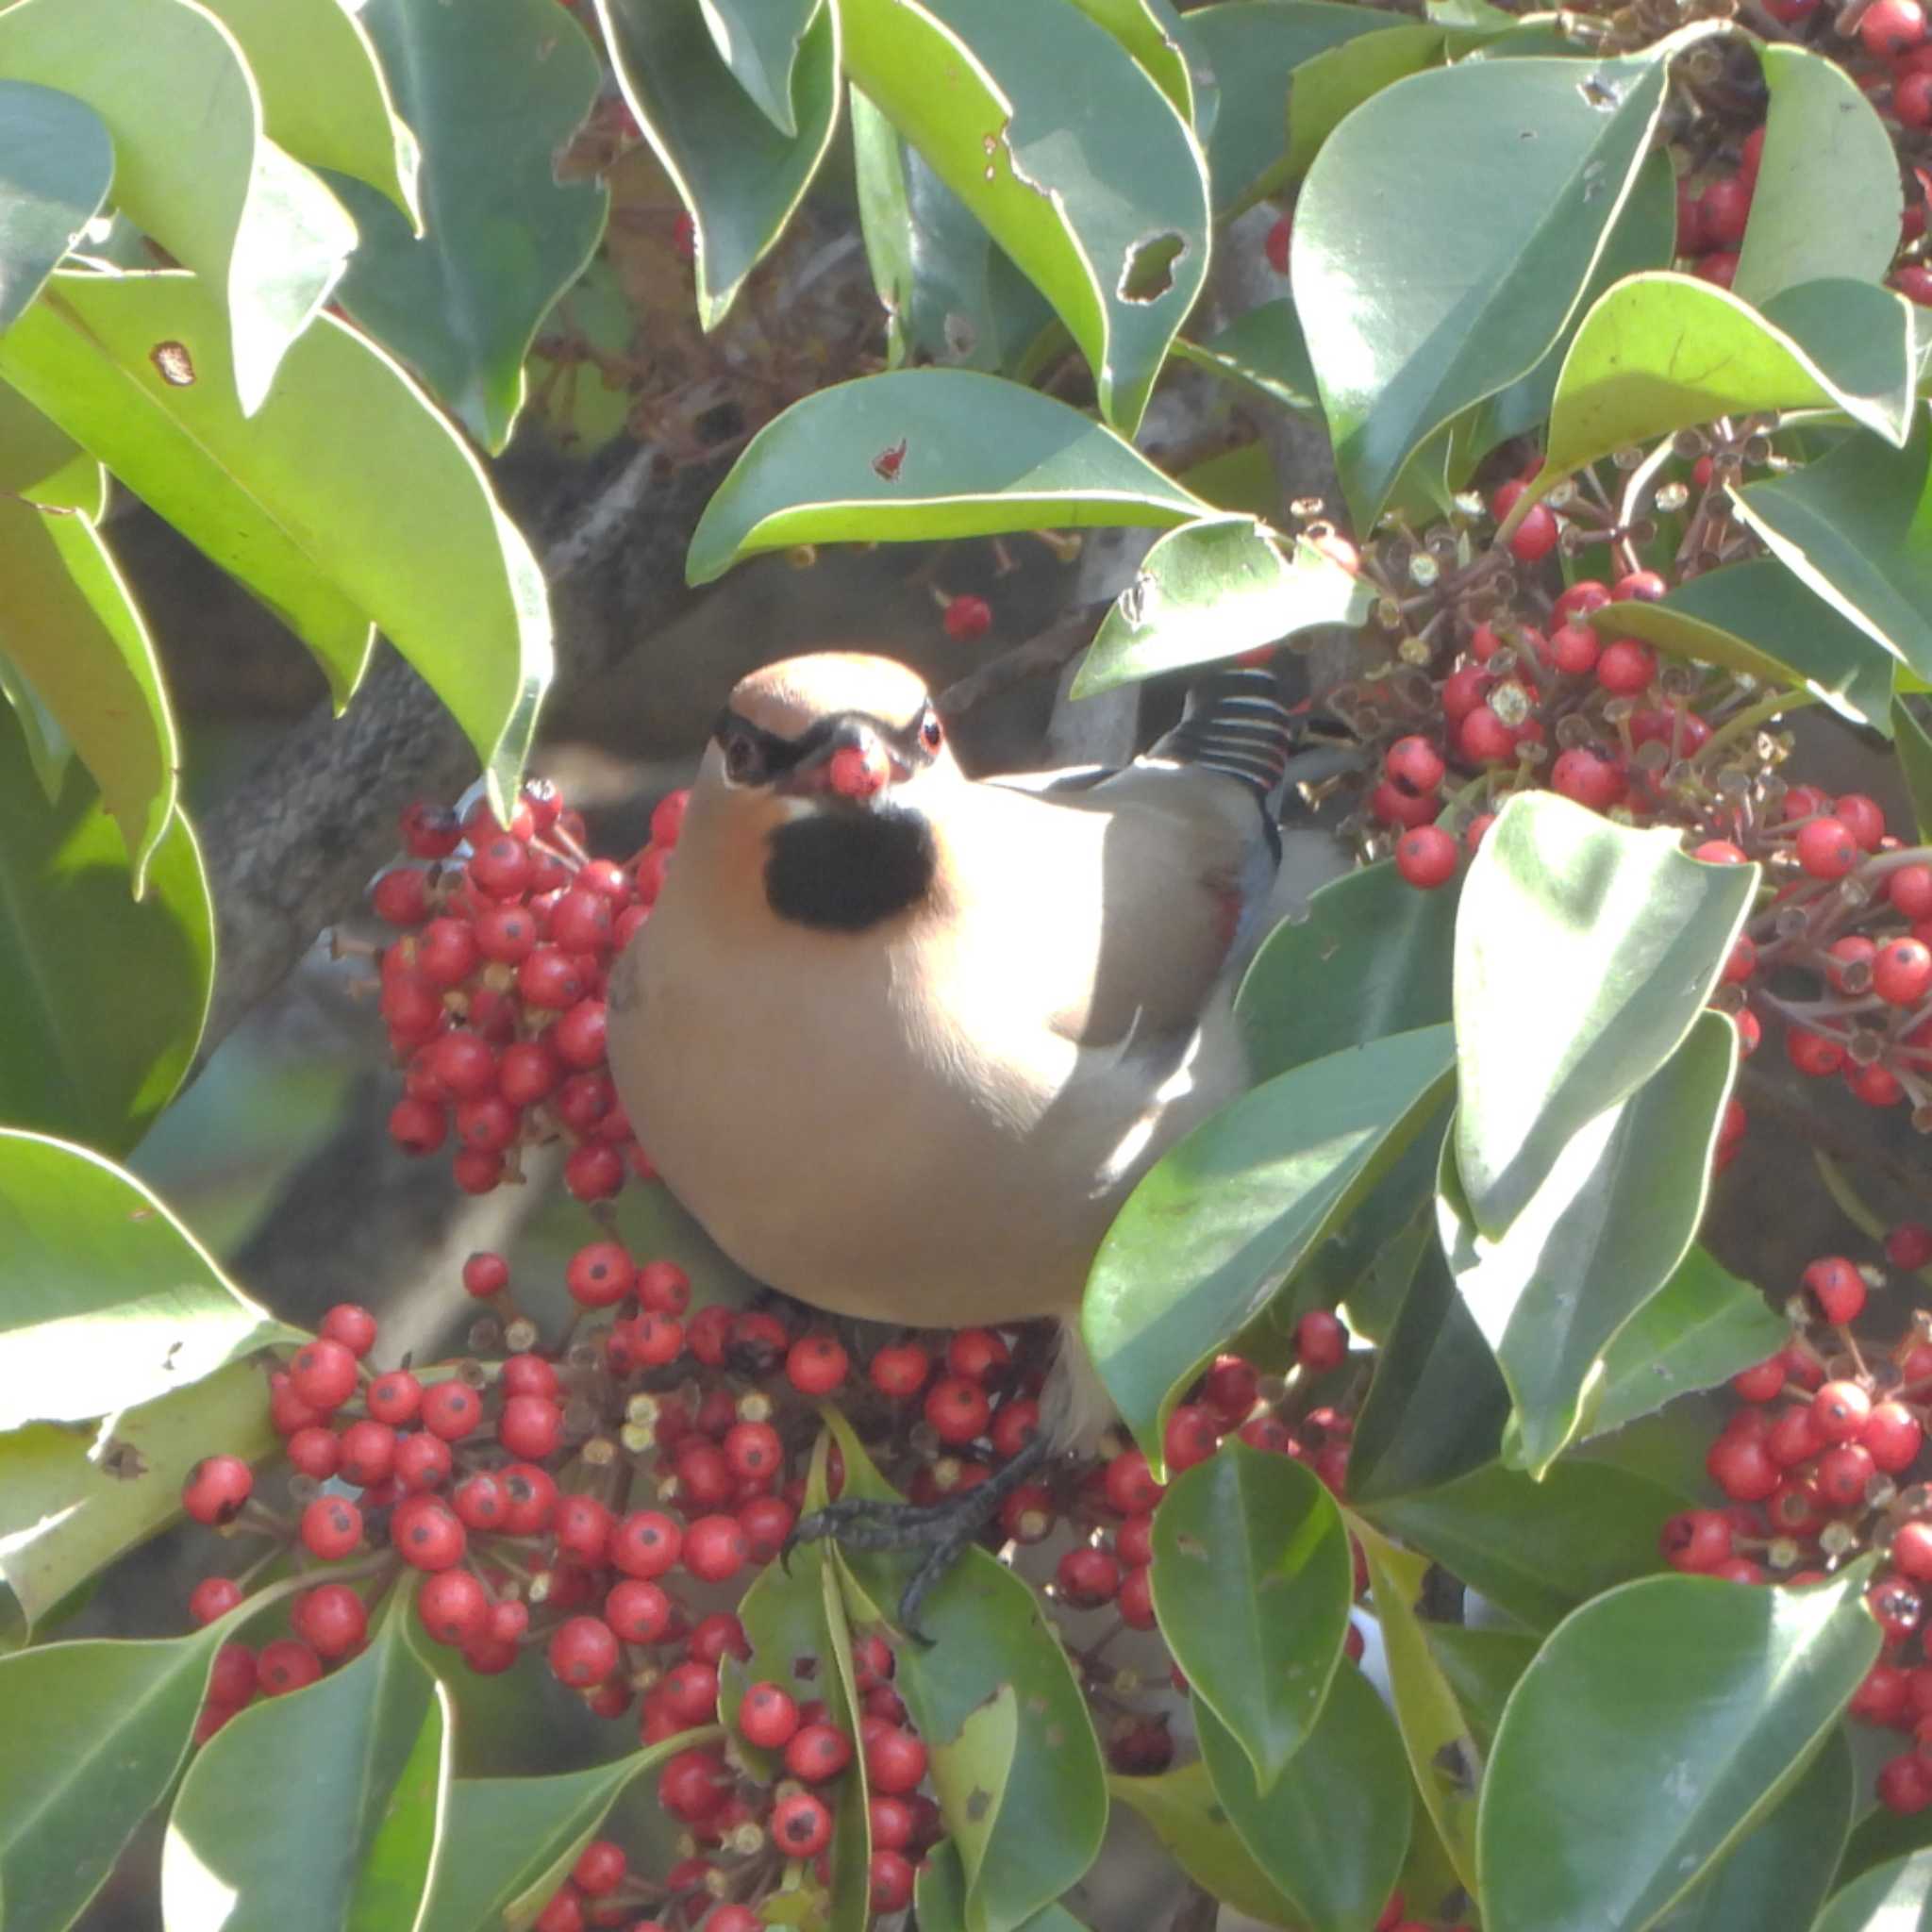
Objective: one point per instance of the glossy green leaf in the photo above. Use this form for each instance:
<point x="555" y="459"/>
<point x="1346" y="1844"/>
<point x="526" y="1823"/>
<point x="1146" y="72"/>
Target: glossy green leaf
<point x="1182" y="1810"/>
<point x="1700" y="1328"/>
<point x="1437" y="1736"/>
<point x="107" y="1300"/>
<point x="1252" y="1583"/>
<point x="1225" y="1219"/>
<point x="325" y="94"/>
<point x="32" y="450"/>
<point x="49" y="751"/>
<point x="1643" y="237"/>
<point x="253" y="1849"/>
<point x="759" y="43"/>
<point x="1895" y="1897"/>
<point x="921" y="454"/>
<point x="1604" y="1232"/>
<point x="1775" y="1877"/>
<point x="1856" y="526"/>
<point x="1211" y="590"/>
<point x="1262" y="349"/>
<point x="1425" y="289"/>
<point x="191" y="165"/>
<point x="56" y="161"/>
<point x="1332" y="1830"/>
<point x="509" y="1842"/>
<point x="739" y="177"/>
<point x="495" y="89"/>
<point x="1252" y="47"/>
<point x="72" y="1500"/>
<point x="1481" y="1666"/>
<point x="1757" y="618"/>
<point x="1913" y="743"/>
<point x="1536" y="1549"/>
<point x="93" y="1050"/>
<point x="1437" y="1407"/>
<point x="1660" y="352"/>
<point x="1326" y="89"/>
<point x="399" y="1869"/>
<point x="70" y="625"/>
<point x="1015" y="1763"/>
<point x="950" y="294"/>
<point x="347" y="499"/>
<point x="1584" y="952"/>
<point x="1372" y="958"/>
<point x="109" y="1724"/>
<point x="1702" y="1694"/>
<point x="1068" y="153"/>
<point x="1827" y="201"/>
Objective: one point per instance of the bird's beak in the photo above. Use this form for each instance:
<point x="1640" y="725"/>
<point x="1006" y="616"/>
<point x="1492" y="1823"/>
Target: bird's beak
<point x="855" y="764"/>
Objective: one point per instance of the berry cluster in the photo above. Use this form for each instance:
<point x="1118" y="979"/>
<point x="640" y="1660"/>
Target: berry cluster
<point x="587" y="1500"/>
<point x="494" y="997"/>
<point x="1817" y="1467"/>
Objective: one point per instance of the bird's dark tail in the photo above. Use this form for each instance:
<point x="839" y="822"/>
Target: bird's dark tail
<point x="1234" y="722"/>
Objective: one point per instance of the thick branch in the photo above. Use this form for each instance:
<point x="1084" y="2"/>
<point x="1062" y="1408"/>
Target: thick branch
<point x="294" y="844"/>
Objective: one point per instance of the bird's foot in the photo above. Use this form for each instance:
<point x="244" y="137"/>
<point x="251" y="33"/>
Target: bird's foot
<point x="942" y="1530"/>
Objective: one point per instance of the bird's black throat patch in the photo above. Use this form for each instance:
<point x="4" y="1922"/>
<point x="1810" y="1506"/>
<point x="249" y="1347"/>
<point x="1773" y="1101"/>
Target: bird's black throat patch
<point x="847" y="871"/>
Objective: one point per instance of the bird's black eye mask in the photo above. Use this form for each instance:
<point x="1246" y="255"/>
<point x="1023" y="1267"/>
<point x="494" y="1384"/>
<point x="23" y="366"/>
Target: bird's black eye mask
<point x="753" y="755"/>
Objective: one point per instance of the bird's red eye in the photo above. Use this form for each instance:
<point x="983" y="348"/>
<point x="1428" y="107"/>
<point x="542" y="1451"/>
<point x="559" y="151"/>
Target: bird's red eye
<point x="931" y="735"/>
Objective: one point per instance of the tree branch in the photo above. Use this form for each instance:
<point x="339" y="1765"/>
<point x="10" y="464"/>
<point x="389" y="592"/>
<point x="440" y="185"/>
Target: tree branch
<point x="295" y="842"/>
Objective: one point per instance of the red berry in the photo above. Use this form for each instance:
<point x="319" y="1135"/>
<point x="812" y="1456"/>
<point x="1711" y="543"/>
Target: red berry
<point x="331" y="1527"/>
<point x="1135" y="1600"/>
<point x="1844" y="1475"/>
<point x="691" y="1693"/>
<point x="968" y="618"/>
<point x="1129" y="1485"/>
<point x="1901" y="972"/>
<point x="332" y="1618"/>
<point x="212" y="1598"/>
<point x="1627" y="668"/>
<point x="423" y="1462"/>
<point x="894" y="1761"/>
<point x="639" y="1612"/>
<point x="892" y="1880"/>
<point x="957" y="1410"/>
<point x="1590" y="780"/>
<point x="1891" y="27"/>
<point x="1426" y="856"/>
<point x="1827" y="848"/>
<point x="900" y="1369"/>
<point x="818" y="1752"/>
<point x="401" y="897"/>
<point x="1087" y="1578"/>
<point x="1892" y="1437"/>
<point x="1320" y="1341"/>
<point x="1697" y="1541"/>
<point x="646" y="1543"/>
<point x="451" y="1409"/>
<point x="715" y="1548"/>
<point x="767" y="1717"/>
<point x="1415" y="765"/>
<point x="1834" y="1287"/>
<point x="1536" y="535"/>
<point x="1741" y="1468"/>
<point x="583" y="1652"/>
<point x="816" y="1365"/>
<point x="323" y="1373"/>
<point x="286" y="1664"/>
<point x="1276" y="245"/>
<point x="1841" y="1411"/>
<point x="368" y="1452"/>
<point x="1909" y="1245"/>
<point x="593" y="1171"/>
<point x="801" y="1826"/>
<point x="1815" y="1053"/>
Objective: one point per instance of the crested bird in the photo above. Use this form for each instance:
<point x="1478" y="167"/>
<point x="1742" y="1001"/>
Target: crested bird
<point x="903" y="1040"/>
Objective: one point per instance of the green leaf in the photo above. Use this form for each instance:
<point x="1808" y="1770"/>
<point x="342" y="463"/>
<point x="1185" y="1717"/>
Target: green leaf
<point x="1584" y="952"/>
<point x="1700" y="1328"/>
<point x="1702" y="1694"/>
<point x="509" y="1842"/>
<point x="1437" y="1407"/>
<point x="1661" y="352"/>
<point x="1437" y="1736"/>
<point x="1252" y="1583"/>
<point x="1153" y="34"/>
<point x="1643" y="237"/>
<point x="325" y="95"/>
<point x="950" y="295"/>
<point x="760" y="44"/>
<point x="1913" y="743"/>
<point x="1225" y="1218"/>
<point x="1068" y="153"/>
<point x="1181" y="1809"/>
<point x="739" y="177"/>
<point x="925" y="453"/>
<point x="110" y="1724"/>
<point x="71" y="1501"/>
<point x="1263" y="348"/>
<point x="32" y="450"/>
<point x="107" y="1299"/>
<point x="348" y="499"/>
<point x="1536" y="1549"/>
<point x="1757" y="618"/>
<point x="191" y="165"/>
<point x="1014" y="1760"/>
<point x="1371" y="959"/>
<point x="1252" y="47"/>
<point x="1856" y="526"/>
<point x="1425" y="289"/>
<point x="253" y="1849"/>
<point x="1211" y="590"/>
<point x="1601" y="1234"/>
<point x="71" y="628"/>
<point x="1827" y="201"/>
<point x="93" y="1050"/>
<point x="399" y="1869"/>
<point x="1481" y="1668"/>
<point x="495" y="89"/>
<point x="56" y="161"/>
<point x="1896" y="1897"/>
<point x="48" y="749"/>
<point x="1332" y="1830"/>
<point x="1326" y="90"/>
<point x="1775" y="1877"/>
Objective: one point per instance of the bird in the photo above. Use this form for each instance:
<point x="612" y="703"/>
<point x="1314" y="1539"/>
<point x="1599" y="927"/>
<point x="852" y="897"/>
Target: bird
<point x="903" y="1040"/>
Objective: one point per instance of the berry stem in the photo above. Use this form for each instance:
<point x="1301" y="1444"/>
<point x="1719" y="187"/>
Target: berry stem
<point x="1753" y="716"/>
